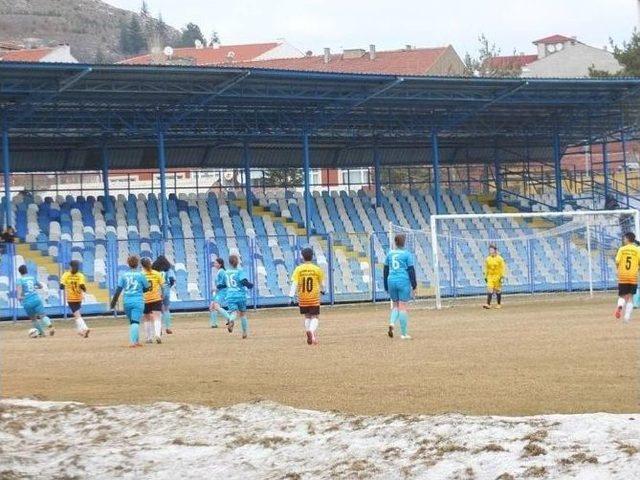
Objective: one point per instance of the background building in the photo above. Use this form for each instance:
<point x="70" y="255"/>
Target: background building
<point x="201" y="55"/>
<point x="57" y="54"/>
<point x="559" y="56"/>
<point x="407" y="61"/>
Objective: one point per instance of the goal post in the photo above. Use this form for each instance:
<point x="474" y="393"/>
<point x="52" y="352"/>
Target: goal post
<point x="545" y="252"/>
<point x="547" y="248"/>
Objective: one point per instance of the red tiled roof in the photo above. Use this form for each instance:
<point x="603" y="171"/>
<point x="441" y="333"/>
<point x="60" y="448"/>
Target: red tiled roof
<point x="208" y="55"/>
<point x="512" y="61"/>
<point x="417" y="61"/>
<point x="554" y="39"/>
<point x="27" y="55"/>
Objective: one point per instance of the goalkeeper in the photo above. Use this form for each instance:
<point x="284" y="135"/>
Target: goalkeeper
<point x="494" y="270"/>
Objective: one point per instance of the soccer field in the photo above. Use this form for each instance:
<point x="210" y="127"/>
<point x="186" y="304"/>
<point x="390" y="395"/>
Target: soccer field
<point x="537" y="355"/>
<point x="359" y="397"/>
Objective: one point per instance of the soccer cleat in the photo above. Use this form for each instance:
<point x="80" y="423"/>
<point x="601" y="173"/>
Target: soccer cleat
<point x="390" y="332"/>
<point x="316" y="340"/>
<point x="486" y="307"/>
<point x="309" y="338"/>
<point x="158" y="339"/>
<point x="618" y="313"/>
<point x="84" y="333"/>
<point x="230" y="326"/>
<point x="168" y="331"/>
<point x="215" y="326"/>
<point x="149" y="340"/>
<point x="52" y="331"/>
<point x="245" y="335"/>
<point x="498" y="307"/>
<point x="406" y="337"/>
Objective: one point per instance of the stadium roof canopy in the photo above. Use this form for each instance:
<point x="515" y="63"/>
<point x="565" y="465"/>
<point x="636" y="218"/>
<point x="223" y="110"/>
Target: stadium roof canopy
<point x="58" y="117"/>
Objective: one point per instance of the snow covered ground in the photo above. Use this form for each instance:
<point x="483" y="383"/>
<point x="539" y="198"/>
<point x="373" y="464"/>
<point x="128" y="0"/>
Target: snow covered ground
<point x="265" y="440"/>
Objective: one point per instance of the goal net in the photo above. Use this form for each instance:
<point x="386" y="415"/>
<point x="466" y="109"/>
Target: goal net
<point x="544" y="252"/>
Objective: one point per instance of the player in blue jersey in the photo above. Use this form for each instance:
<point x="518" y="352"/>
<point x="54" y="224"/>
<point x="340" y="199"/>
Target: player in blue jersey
<point x="28" y="287"/>
<point x="220" y="285"/>
<point x="400" y="282"/>
<point x="132" y="285"/>
<point x="163" y="266"/>
<point x="236" y="295"/>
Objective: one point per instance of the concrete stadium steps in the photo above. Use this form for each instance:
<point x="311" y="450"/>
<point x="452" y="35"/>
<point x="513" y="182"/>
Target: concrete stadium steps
<point x="51" y="267"/>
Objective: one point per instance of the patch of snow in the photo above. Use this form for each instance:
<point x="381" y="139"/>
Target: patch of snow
<point x="269" y="441"/>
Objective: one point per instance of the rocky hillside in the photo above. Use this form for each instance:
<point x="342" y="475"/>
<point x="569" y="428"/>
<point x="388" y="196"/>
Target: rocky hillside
<point x="91" y="27"/>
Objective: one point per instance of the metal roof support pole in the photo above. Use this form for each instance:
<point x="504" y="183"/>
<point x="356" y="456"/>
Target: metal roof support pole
<point x="435" y="153"/>
<point x="246" y="157"/>
<point x="605" y="169"/>
<point x="376" y="175"/>
<point x="497" y="167"/>
<point x="623" y="141"/>
<point x="162" y="166"/>
<point x="307" y="174"/>
<point x="557" y="168"/>
<point x="105" y="182"/>
<point x="6" y="173"/>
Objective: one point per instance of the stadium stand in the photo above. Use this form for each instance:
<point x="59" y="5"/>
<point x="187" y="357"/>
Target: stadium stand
<point x="204" y="226"/>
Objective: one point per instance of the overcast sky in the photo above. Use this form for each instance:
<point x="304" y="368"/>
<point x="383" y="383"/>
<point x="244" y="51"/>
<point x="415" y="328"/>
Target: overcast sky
<point x="314" y="24"/>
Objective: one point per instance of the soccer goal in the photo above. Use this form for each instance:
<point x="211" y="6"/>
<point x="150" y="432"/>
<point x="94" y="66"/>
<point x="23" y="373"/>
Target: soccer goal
<point x="545" y="252"/>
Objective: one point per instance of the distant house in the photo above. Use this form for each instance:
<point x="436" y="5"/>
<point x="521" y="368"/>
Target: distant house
<point x="559" y="56"/>
<point x="217" y="54"/>
<point x="57" y="54"/>
<point x="440" y="61"/>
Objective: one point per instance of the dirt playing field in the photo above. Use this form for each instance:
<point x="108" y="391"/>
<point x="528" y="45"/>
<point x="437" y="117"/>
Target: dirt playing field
<point x="534" y="356"/>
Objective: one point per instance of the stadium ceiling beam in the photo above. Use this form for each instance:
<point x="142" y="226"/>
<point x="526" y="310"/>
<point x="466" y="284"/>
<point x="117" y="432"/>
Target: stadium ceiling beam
<point x="32" y="100"/>
<point x="502" y="96"/>
<point x="323" y="121"/>
<point x="201" y="102"/>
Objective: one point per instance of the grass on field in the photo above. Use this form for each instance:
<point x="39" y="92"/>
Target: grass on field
<point x="534" y="356"/>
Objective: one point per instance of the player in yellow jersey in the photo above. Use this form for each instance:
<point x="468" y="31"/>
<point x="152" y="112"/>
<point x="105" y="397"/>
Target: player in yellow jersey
<point x="494" y="270"/>
<point x="74" y="286"/>
<point x="152" y="302"/>
<point x="307" y="282"/>
<point x="628" y="265"/>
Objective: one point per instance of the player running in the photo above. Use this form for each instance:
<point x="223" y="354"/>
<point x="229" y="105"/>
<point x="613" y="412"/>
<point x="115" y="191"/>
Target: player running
<point x="236" y="295"/>
<point x="31" y="302"/>
<point x="165" y="269"/>
<point x="219" y="295"/>
<point x="628" y="264"/>
<point x="400" y="282"/>
<point x="152" y="302"/>
<point x="307" y="282"/>
<point x="494" y="270"/>
<point x="132" y="284"/>
<point x="73" y="283"/>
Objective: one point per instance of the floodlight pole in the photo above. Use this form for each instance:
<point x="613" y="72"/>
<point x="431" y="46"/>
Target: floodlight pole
<point x="307" y="191"/>
<point x="376" y="175"/>
<point x="6" y="171"/>
<point x="557" y="159"/>
<point x="105" y="180"/>
<point x="162" y="166"/>
<point x="435" y="148"/>
<point x="246" y="156"/>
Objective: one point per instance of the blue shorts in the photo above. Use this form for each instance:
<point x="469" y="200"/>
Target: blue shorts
<point x="220" y="298"/>
<point x="237" y="305"/>
<point x="134" y="311"/>
<point x="400" y="291"/>
<point x="34" y="307"/>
